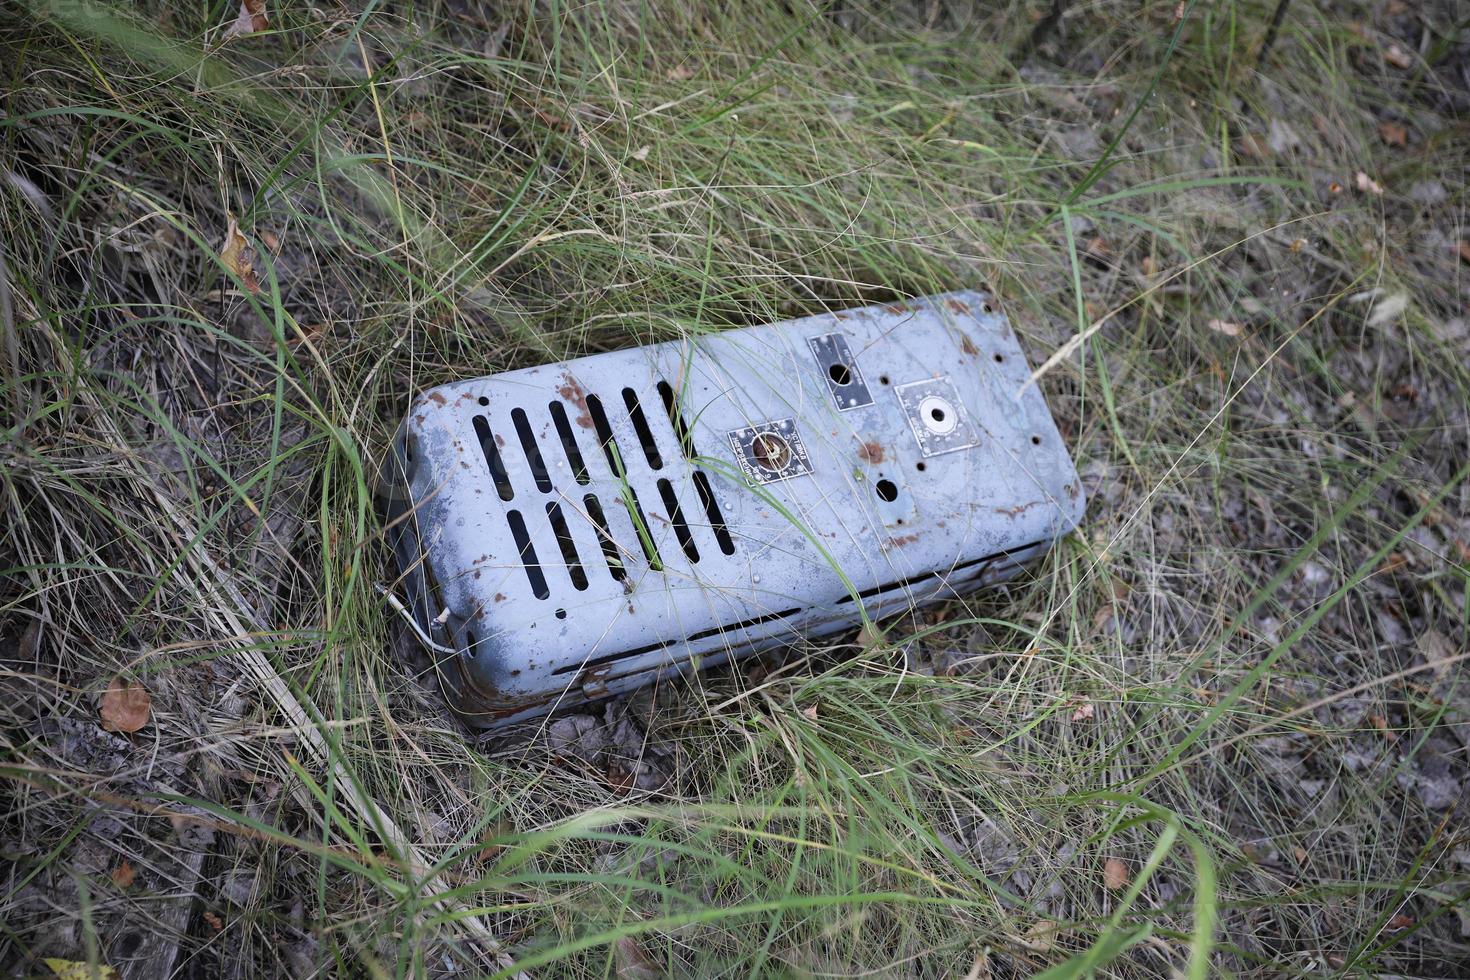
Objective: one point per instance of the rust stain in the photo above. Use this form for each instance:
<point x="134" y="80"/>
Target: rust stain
<point x="436" y="397"/>
<point x="967" y="345"/>
<point x="896" y="308"/>
<point x="500" y="440"/>
<point x="871" y="452"/>
<point x="499" y="596"/>
<point x="839" y="316"/>
<point x="958" y="306"/>
<point x="1017" y="510"/>
<point x="899" y="542"/>
<point x="572" y="392"/>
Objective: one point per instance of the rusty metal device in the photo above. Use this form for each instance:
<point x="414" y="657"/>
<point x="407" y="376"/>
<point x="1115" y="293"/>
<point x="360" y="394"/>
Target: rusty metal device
<point x="582" y="528"/>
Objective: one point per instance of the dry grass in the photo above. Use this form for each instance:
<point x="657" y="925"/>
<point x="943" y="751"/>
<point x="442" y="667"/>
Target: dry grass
<point x="1265" y="612"/>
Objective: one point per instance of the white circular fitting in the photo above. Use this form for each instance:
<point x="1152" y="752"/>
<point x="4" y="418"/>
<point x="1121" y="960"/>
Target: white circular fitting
<point x="938" y="415"/>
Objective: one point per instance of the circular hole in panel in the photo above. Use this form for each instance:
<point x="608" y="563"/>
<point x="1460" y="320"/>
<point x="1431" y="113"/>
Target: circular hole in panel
<point x="1036" y="440"/>
<point x="937" y="414"/>
<point x="987" y="307"/>
<point x="770" y="451"/>
<point x="920" y="466"/>
<point x="840" y="374"/>
<point x="887" y="490"/>
<point x="484" y="400"/>
<point x="1000" y="358"/>
<point x="561" y="614"/>
<point x="882" y="379"/>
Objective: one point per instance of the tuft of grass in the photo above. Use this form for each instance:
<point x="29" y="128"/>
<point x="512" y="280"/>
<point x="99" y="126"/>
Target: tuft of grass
<point x="442" y="191"/>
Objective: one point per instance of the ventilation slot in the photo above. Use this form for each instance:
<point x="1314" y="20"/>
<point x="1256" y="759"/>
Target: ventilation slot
<point x="701" y="481"/>
<point x="568" y="441"/>
<point x="491" y="448"/>
<point x="533" y="451"/>
<point x="640" y="425"/>
<point x="676" y="514"/>
<point x="939" y="577"/>
<point x="610" y="552"/>
<point x="528" y="554"/>
<point x="691" y="638"/>
<point x="567" y="545"/>
<point x="629" y="498"/>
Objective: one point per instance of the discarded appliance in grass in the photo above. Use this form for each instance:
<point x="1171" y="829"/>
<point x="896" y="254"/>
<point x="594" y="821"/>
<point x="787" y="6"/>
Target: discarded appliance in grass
<point x="578" y="529"/>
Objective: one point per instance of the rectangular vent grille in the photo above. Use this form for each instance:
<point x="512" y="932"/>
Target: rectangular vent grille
<point x="493" y="447"/>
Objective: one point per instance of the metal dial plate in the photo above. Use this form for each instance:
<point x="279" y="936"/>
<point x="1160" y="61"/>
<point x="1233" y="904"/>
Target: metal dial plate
<point x="844" y="379"/>
<point x="936" y="415"/>
<point x="770" y="451"/>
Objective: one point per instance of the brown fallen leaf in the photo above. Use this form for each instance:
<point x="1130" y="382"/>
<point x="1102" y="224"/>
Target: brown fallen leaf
<point x="634" y="963"/>
<point x="1367" y="184"/>
<point x="1228" y="327"/>
<point x="123" y="875"/>
<point x="238" y="256"/>
<point x="810" y="712"/>
<point x="1398" y="922"/>
<point x="215" y="922"/>
<point x="1394" y="134"/>
<point x="251" y="19"/>
<point x="1085" y="712"/>
<point x="1395" y="55"/>
<point x="1115" y="874"/>
<point x="125" y="706"/>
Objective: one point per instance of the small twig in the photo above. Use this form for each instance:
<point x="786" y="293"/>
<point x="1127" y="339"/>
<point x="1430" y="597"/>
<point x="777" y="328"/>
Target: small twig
<point x="1277" y="17"/>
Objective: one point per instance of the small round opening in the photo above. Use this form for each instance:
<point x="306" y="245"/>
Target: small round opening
<point x="937" y="414"/>
<point x="839" y="374"/>
<point x="899" y="522"/>
<point x="561" y="614"/>
<point x="920" y="466"/>
<point x="882" y="379"/>
<point x="770" y="451"/>
<point x="987" y="307"/>
<point x="1036" y="440"/>
<point x="1000" y="358"/>
<point x="887" y="490"/>
<point x="484" y="401"/>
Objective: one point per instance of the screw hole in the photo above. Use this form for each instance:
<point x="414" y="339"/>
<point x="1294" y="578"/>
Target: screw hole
<point x="1036" y="440"/>
<point x="937" y="414"/>
<point x="561" y="614"/>
<point x="920" y="466"/>
<point x="484" y="401"/>
<point x="839" y="374"/>
<point x="887" y="490"/>
<point x="899" y="522"/>
<point x="987" y="307"/>
<point x="1000" y="358"/>
<point x="882" y="379"/>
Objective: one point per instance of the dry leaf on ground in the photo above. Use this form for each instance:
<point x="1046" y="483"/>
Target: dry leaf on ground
<point x="1367" y="184"/>
<point x="1394" y="134"/>
<point x="80" y="970"/>
<point x="125" y="706"/>
<point x="1228" y="327"/>
<point x="123" y="875"/>
<point x="238" y="256"/>
<point x="1395" y="55"/>
<point x="1115" y="874"/>
<point x="1084" y="712"/>
<point x="634" y="963"/>
<point x="252" y="19"/>
<point x="215" y="922"/>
